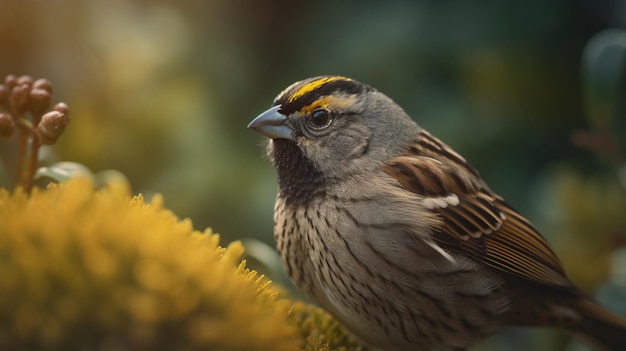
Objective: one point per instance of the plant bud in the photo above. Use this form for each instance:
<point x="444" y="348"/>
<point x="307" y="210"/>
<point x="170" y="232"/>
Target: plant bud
<point x="19" y="97"/>
<point x="10" y="82"/>
<point x="4" y="96"/>
<point x="39" y="101"/>
<point x="63" y="108"/>
<point x="25" y="80"/>
<point x="7" y="125"/>
<point x="51" y="127"/>
<point x="43" y="84"/>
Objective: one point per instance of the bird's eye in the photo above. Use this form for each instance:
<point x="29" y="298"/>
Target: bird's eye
<point x="320" y="117"/>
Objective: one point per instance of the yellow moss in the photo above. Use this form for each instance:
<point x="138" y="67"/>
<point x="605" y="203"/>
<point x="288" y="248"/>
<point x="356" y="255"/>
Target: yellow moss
<point x="321" y="332"/>
<point x="87" y="269"/>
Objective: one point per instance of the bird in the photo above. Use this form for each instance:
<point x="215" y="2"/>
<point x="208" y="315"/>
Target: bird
<point x="398" y="237"/>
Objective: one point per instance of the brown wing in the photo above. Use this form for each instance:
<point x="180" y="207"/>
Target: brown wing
<point x="474" y="219"/>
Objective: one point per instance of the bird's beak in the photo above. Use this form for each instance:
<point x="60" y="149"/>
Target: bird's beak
<point x="272" y="124"/>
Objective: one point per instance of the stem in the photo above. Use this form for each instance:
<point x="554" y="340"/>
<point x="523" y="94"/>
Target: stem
<point x="23" y="176"/>
<point x="32" y="164"/>
<point x="21" y="152"/>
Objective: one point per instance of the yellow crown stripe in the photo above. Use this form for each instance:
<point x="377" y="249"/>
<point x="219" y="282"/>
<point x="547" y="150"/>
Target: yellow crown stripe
<point x="335" y="102"/>
<point x="314" y="85"/>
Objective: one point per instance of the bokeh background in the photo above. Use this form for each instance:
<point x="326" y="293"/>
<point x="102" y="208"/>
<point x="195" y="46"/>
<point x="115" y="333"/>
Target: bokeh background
<point x="162" y="91"/>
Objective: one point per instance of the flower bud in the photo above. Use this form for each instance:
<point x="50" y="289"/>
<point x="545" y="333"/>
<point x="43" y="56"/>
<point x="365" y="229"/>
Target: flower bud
<point x="10" y="82"/>
<point x="19" y="97"/>
<point x="4" y="96"/>
<point x="28" y="80"/>
<point x="63" y="108"/>
<point x="7" y="125"/>
<point x="39" y="101"/>
<point x="51" y="127"/>
<point x="43" y="84"/>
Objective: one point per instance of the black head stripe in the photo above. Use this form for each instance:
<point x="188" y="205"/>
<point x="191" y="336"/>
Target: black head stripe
<point x="308" y="91"/>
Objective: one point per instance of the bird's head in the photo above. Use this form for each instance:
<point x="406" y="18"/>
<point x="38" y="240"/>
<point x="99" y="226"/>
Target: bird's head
<point x="332" y="127"/>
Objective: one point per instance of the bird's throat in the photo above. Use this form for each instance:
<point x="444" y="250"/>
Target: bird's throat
<point x="299" y="181"/>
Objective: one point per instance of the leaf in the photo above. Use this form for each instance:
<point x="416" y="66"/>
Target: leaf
<point x="604" y="74"/>
<point x="60" y="172"/>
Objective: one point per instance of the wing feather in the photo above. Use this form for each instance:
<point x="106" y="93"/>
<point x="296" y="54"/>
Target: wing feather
<point x="479" y="223"/>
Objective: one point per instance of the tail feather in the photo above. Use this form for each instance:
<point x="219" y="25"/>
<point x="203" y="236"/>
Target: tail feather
<point x="600" y="327"/>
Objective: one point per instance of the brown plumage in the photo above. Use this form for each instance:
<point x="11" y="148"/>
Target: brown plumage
<point x="396" y="234"/>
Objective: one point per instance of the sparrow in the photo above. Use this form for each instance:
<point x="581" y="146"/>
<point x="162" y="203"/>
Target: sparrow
<point x="397" y="236"/>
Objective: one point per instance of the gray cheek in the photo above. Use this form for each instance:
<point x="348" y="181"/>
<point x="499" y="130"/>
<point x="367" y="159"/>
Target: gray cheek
<point x="333" y="153"/>
<point x="350" y="142"/>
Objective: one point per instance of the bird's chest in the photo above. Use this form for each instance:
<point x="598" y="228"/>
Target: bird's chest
<point x="320" y="261"/>
<point x="307" y="258"/>
<point x="376" y="297"/>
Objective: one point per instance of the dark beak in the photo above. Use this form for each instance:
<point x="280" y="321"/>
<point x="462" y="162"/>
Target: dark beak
<point x="272" y="124"/>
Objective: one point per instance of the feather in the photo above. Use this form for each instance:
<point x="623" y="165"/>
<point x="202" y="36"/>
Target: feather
<point x="474" y="220"/>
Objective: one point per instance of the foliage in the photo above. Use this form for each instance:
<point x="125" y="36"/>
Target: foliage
<point x="321" y="332"/>
<point x="86" y="269"/>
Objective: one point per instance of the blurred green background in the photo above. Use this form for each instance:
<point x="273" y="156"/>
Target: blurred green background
<point x="162" y="91"/>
